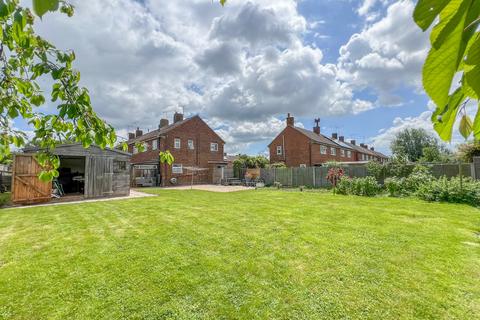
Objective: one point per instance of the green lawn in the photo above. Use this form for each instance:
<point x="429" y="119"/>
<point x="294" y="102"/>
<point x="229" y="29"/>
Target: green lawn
<point x="247" y="255"/>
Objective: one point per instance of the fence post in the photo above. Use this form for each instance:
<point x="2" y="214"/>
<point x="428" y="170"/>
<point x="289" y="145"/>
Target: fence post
<point x="476" y="168"/>
<point x="314" y="182"/>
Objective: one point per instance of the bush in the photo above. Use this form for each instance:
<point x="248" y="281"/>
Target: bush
<point x="367" y="187"/>
<point x="451" y="190"/>
<point x="395" y="186"/>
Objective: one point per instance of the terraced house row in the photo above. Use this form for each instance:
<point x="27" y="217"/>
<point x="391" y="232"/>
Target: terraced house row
<point x="198" y="148"/>
<point x="299" y="147"/>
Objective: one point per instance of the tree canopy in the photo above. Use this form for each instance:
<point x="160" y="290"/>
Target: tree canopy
<point x="454" y="54"/>
<point x="418" y="145"/>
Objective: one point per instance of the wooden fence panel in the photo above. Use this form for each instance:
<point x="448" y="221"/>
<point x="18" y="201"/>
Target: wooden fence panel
<point x="26" y="187"/>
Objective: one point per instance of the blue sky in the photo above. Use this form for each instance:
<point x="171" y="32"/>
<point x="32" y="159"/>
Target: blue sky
<point x="354" y="64"/>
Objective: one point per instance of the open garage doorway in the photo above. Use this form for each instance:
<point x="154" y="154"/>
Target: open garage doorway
<point x="71" y="179"/>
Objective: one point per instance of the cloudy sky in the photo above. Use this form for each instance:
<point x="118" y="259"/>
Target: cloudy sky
<point x="355" y="64"/>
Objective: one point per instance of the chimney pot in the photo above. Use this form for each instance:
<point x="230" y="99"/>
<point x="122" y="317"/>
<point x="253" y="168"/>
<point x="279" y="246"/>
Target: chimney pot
<point x="334" y="136"/>
<point x="131" y="136"/>
<point x="353" y="142"/>
<point x="163" y="123"/>
<point x="138" y="132"/>
<point x="177" y="117"/>
<point x="290" y="121"/>
<point x="316" y="129"/>
<point x="372" y="148"/>
<point x="341" y="138"/>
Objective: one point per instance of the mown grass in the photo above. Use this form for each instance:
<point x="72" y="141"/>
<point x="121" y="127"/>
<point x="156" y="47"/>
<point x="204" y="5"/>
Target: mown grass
<point x="248" y="255"/>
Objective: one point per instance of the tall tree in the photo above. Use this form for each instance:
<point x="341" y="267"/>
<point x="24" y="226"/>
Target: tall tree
<point x="455" y="42"/>
<point x="413" y="144"/>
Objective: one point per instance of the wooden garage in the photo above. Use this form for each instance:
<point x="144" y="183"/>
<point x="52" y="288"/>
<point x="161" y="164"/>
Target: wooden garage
<point x="83" y="174"/>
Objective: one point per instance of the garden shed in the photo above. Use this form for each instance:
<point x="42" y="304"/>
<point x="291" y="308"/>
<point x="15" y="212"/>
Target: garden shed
<point x="83" y="174"/>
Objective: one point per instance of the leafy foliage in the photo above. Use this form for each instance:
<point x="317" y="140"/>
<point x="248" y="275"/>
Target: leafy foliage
<point x="166" y="157"/>
<point x="366" y="187"/>
<point x="250" y="162"/>
<point x="455" y="42"/>
<point x="467" y="151"/>
<point x="28" y="60"/>
<point x="334" y="176"/>
<point x="453" y="190"/>
<point x="412" y="144"/>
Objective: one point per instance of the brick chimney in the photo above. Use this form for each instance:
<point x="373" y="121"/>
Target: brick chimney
<point x="316" y="129"/>
<point x="290" y="121"/>
<point x="138" y="132"/>
<point x="177" y="117"/>
<point x="341" y="138"/>
<point x="353" y="142"/>
<point x="334" y="136"/>
<point x="131" y="136"/>
<point x="163" y="123"/>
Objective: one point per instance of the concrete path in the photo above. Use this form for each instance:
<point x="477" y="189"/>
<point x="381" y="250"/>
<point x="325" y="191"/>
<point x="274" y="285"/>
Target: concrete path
<point x="133" y="194"/>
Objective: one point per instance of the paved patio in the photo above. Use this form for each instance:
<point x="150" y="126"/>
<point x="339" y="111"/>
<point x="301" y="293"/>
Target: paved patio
<point x="212" y="188"/>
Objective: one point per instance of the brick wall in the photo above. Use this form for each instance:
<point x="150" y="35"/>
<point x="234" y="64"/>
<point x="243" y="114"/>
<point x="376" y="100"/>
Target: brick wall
<point x="300" y="151"/>
<point x="200" y="156"/>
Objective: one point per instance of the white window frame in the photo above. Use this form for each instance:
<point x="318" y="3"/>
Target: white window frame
<point x="191" y="144"/>
<point x="303" y="166"/>
<point x="155" y="144"/>
<point x="342" y="153"/>
<point x="213" y="147"/>
<point x="323" y="150"/>
<point x="333" y="151"/>
<point x="177" y="168"/>
<point x="279" y="150"/>
<point x="135" y="149"/>
<point x="349" y="154"/>
<point x="177" y="143"/>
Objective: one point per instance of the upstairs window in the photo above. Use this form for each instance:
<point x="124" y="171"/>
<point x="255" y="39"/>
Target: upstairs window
<point x="177" y="143"/>
<point x="154" y="144"/>
<point x="135" y="150"/>
<point x="191" y="146"/>
<point x="333" y="151"/>
<point x="349" y="154"/>
<point x="342" y="153"/>
<point x="279" y="150"/>
<point x="323" y="150"/>
<point x="214" y="146"/>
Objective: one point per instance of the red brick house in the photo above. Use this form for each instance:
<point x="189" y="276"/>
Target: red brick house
<point x="193" y="144"/>
<point x="299" y="147"/>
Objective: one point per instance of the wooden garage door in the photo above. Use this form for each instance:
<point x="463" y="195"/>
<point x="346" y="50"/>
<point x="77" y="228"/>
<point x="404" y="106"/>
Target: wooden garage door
<point x="98" y="177"/>
<point x="26" y="187"/>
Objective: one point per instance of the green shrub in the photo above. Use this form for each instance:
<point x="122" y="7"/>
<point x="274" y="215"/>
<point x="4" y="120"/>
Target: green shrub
<point x="367" y="187"/>
<point x="395" y="186"/>
<point x="451" y="190"/>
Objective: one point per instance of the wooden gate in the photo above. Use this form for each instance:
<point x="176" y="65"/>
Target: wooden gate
<point x="26" y="187"/>
<point x="98" y="177"/>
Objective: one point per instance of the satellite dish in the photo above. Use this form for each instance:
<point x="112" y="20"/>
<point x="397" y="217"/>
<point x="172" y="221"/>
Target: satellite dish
<point x="173" y="181"/>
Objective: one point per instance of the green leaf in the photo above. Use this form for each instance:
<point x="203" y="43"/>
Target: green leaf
<point x="466" y="126"/>
<point x="40" y="7"/>
<point x="441" y="66"/>
<point x="473" y="54"/>
<point x="473" y="79"/>
<point x="444" y="118"/>
<point x="450" y="18"/>
<point x="222" y="2"/>
<point x="476" y="124"/>
<point x="426" y="12"/>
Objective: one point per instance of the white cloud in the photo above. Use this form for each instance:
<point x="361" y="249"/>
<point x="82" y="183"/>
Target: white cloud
<point x="242" y="66"/>
<point x="386" y="56"/>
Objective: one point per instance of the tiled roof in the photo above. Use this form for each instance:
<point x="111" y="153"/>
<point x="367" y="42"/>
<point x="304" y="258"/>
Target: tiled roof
<point x="159" y="132"/>
<point x="320" y="138"/>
